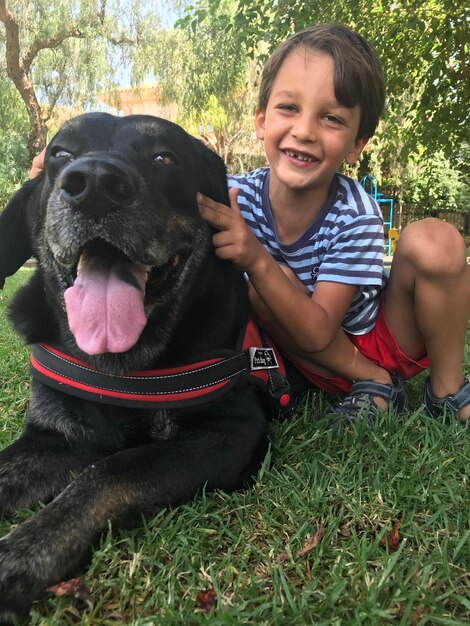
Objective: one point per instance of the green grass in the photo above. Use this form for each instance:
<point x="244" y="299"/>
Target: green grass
<point x="353" y="486"/>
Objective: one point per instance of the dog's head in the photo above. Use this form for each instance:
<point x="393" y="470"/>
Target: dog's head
<point x="114" y="223"/>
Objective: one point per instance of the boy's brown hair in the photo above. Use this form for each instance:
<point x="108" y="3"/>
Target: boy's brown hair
<point x="359" y="79"/>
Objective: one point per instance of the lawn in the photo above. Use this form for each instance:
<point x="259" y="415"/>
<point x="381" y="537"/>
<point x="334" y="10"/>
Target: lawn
<point x="371" y="526"/>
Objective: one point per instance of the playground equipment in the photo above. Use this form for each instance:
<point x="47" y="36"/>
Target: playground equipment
<point x="392" y="239"/>
<point x="370" y="185"/>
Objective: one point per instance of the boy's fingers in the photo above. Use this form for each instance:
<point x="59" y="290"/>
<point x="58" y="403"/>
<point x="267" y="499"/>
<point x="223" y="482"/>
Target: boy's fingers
<point x="205" y="201"/>
<point x="233" y="195"/>
<point x="222" y="239"/>
<point x="37" y="164"/>
<point x="210" y="206"/>
<point x="218" y="215"/>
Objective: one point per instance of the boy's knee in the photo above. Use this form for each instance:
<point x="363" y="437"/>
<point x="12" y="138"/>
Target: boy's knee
<point x="433" y="246"/>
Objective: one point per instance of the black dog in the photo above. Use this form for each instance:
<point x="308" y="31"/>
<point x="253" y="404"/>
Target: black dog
<point x="127" y="295"/>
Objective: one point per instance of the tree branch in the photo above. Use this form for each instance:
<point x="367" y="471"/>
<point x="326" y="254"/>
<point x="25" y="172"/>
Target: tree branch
<point x="69" y="32"/>
<point x="102" y="11"/>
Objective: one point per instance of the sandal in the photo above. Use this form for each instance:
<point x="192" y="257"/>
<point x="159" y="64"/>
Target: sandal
<point x="437" y="406"/>
<point x="360" y="403"/>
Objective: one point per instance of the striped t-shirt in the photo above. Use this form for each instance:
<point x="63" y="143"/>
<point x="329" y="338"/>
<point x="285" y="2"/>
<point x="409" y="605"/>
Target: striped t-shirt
<point x="344" y="244"/>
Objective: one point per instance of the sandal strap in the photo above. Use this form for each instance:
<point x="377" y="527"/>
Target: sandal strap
<point x="371" y="388"/>
<point x="435" y="406"/>
<point x="462" y="397"/>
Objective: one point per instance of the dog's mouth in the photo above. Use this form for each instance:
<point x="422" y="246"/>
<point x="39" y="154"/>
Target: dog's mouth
<point x="106" y="305"/>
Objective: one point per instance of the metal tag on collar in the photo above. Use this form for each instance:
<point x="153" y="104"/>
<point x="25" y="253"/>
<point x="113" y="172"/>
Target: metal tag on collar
<point x="263" y="359"/>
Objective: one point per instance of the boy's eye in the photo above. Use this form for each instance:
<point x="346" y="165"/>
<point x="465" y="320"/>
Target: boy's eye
<point x="287" y="107"/>
<point x="333" y="119"/>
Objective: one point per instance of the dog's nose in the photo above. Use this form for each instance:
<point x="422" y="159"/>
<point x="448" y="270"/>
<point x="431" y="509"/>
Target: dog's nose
<point x="95" y="186"/>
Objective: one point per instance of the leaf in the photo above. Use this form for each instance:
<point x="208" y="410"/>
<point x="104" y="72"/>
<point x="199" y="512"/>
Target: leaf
<point x="73" y="588"/>
<point x="448" y="461"/>
<point x="414" y="616"/>
<point x="312" y="542"/>
<point x="391" y="541"/>
<point x="206" y="600"/>
<point x="345" y="530"/>
<point x="283" y="557"/>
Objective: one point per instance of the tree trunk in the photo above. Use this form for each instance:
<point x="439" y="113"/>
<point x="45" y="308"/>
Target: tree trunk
<point x="37" y="136"/>
<point x="17" y="71"/>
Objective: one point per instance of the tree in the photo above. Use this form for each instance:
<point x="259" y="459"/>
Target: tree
<point x="436" y="184"/>
<point x="61" y="51"/>
<point x="13" y="129"/>
<point x="423" y="45"/>
<point x="212" y="81"/>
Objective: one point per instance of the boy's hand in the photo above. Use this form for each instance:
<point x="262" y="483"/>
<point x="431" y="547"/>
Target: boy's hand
<point x="37" y="165"/>
<point x="234" y="241"/>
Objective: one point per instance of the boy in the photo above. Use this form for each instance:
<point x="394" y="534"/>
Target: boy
<point x="311" y="240"/>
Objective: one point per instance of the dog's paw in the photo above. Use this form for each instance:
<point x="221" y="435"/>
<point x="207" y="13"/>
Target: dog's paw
<point x="17" y="588"/>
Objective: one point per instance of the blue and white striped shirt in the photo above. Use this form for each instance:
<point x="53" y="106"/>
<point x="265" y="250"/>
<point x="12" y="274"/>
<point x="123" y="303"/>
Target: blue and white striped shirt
<point x="344" y="244"/>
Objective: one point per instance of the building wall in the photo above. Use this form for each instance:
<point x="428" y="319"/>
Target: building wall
<point x="143" y="101"/>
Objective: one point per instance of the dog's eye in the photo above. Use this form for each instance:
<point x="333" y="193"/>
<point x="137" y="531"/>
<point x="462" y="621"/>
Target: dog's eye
<point x="165" y="158"/>
<point x="60" y="153"/>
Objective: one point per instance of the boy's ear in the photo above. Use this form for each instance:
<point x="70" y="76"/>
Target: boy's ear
<point x="355" y="152"/>
<point x="260" y="119"/>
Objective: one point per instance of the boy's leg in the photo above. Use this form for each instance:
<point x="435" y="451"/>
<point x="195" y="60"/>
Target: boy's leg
<point x="427" y="301"/>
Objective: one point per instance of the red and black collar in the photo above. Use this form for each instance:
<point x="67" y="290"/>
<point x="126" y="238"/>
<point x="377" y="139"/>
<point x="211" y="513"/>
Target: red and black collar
<point x="173" y="387"/>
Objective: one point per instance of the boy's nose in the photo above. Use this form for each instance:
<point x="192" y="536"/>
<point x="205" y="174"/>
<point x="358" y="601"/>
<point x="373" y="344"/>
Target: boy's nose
<point x="304" y="129"/>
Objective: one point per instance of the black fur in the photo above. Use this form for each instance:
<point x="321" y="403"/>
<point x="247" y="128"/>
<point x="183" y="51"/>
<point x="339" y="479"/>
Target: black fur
<point x="94" y="462"/>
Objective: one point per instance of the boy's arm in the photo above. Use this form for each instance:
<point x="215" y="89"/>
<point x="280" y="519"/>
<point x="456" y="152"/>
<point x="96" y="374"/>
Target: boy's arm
<point x="338" y="360"/>
<point x="310" y="321"/>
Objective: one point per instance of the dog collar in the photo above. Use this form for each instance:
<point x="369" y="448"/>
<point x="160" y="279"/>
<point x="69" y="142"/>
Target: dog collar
<point x="168" y="388"/>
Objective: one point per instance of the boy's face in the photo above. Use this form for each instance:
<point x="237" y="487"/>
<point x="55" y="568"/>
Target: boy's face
<point x="307" y="133"/>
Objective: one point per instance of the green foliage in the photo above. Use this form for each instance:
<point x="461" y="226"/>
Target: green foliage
<point x="210" y="64"/>
<point x="14" y="128"/>
<point x="212" y="81"/>
<point x="422" y="45"/>
<point x="70" y="50"/>
<point x="196" y="64"/>
<point x="433" y="183"/>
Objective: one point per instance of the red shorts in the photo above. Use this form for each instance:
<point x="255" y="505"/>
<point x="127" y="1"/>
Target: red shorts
<point x="379" y="346"/>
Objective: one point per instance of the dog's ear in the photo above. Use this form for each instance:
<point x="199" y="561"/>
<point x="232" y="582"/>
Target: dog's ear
<point x="16" y="221"/>
<point x="214" y="182"/>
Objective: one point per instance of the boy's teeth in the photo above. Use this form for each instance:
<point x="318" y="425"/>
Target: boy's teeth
<point x="299" y="156"/>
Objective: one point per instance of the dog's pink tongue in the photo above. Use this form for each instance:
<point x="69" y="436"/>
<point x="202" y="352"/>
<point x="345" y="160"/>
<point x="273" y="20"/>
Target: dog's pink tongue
<point x="105" y="306"/>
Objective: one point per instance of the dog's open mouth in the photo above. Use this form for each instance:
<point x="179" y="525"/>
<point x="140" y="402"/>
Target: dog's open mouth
<point x="106" y="304"/>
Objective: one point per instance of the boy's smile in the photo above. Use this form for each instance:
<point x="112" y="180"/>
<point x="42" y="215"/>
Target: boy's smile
<point x="307" y="133"/>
